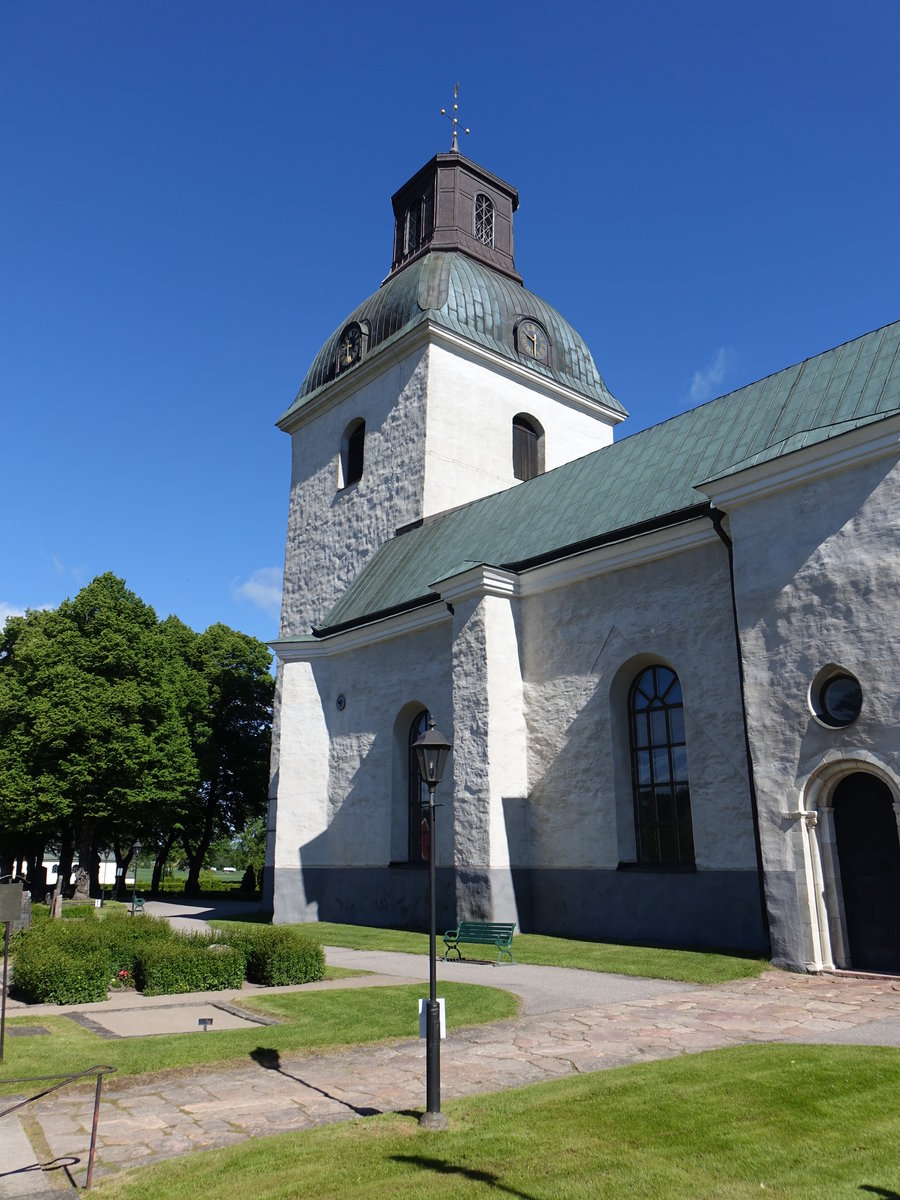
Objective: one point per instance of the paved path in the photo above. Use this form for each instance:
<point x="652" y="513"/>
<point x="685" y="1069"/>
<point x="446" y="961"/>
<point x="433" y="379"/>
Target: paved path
<point x="610" y="1022"/>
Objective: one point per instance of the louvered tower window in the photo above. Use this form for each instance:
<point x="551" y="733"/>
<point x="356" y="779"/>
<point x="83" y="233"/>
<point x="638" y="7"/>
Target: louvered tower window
<point x="353" y="452"/>
<point x="528" y="444"/>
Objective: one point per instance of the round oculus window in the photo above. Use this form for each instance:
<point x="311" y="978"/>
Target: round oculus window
<point x="838" y="699"/>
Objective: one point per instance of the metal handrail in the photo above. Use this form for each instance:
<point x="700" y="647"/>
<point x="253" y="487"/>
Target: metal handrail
<point x="99" y="1070"/>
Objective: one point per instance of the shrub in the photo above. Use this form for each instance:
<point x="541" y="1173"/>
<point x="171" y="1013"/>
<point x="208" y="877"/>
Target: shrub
<point x="78" y="912"/>
<point x="187" y="965"/>
<point x="125" y="935"/>
<point x="48" y="974"/>
<point x="278" y="956"/>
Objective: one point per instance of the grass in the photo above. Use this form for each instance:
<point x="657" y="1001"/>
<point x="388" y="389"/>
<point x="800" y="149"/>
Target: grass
<point x="797" y="1122"/>
<point x="649" y="962"/>
<point x="313" y="1020"/>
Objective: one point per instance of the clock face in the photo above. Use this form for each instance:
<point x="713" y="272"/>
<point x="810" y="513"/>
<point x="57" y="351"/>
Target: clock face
<point x="349" y="347"/>
<point x="532" y="342"/>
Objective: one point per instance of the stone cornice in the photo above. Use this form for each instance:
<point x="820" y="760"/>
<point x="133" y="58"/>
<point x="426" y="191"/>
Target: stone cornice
<point x="617" y="556"/>
<point x="480" y="580"/>
<point x="397" y="625"/>
<point x="847" y="450"/>
<point x="404" y="344"/>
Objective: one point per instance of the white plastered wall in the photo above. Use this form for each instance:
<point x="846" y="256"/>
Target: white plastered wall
<point x="471" y="405"/>
<point x="817" y="573"/>
<point x="584" y="644"/>
<point x="333" y="531"/>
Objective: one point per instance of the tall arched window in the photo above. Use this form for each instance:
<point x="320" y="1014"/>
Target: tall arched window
<point x="528" y="446"/>
<point x="418" y="795"/>
<point x="353" y="452"/>
<point x="484" y="219"/>
<point x="662" y="796"/>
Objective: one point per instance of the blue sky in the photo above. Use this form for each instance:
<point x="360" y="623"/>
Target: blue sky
<point x="196" y="194"/>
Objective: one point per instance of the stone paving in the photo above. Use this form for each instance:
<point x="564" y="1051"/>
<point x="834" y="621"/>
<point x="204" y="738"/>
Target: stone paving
<point x="173" y="1113"/>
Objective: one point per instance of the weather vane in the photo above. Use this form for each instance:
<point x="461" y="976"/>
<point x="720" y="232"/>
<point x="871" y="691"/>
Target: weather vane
<point x="454" y="145"/>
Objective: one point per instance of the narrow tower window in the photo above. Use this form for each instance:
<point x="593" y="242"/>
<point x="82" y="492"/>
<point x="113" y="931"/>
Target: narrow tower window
<point x="353" y="452"/>
<point x="484" y="219"/>
<point x="412" y="234"/>
<point x="528" y="446"/>
<point x="662" y="795"/>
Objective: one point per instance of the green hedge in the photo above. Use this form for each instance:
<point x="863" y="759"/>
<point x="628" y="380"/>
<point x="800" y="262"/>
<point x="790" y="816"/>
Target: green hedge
<point x="277" y="956"/>
<point x="188" y="965"/>
<point x="68" y="962"/>
<point x="49" y="974"/>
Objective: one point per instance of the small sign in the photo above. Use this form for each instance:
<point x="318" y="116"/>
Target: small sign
<point x="11" y="901"/>
<point x="423" y="1012"/>
<point x="204" y="1023"/>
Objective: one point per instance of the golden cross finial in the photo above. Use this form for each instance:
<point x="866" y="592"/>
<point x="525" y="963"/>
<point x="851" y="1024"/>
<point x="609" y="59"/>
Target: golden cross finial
<point x="454" y="145"/>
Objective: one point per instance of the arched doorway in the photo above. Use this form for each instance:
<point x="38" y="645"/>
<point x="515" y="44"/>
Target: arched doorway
<point x="868" y="851"/>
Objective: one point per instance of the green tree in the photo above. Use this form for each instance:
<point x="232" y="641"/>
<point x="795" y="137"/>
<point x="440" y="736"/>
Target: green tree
<point x="115" y="726"/>
<point x="231" y="733"/>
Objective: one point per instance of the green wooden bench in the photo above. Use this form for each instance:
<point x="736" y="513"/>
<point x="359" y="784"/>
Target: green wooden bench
<point x="480" y="933"/>
<point x="138" y="905"/>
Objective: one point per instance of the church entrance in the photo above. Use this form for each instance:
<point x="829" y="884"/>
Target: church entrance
<point x="868" y="847"/>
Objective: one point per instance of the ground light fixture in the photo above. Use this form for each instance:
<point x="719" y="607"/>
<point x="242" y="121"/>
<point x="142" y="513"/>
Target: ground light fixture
<point x="432" y="750"/>
<point x="135" y="853"/>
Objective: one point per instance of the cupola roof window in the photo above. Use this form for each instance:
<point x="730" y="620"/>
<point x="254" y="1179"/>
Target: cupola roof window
<point x="484" y="219"/>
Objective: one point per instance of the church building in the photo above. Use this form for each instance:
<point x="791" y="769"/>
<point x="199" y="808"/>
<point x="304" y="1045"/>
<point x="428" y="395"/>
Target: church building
<point x="669" y="664"/>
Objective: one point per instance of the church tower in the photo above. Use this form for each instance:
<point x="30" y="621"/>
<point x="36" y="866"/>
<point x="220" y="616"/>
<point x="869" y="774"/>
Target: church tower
<point x="450" y="382"/>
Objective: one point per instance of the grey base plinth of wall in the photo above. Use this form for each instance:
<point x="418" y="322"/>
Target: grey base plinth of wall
<point x="707" y="909"/>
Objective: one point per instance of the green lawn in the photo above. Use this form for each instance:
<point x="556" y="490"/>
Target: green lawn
<point x="794" y="1122"/>
<point x="689" y="966"/>
<point x="312" y="1020"/>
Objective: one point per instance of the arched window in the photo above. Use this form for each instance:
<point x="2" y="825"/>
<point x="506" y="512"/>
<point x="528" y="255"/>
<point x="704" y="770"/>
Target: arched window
<point x="484" y="219"/>
<point x="662" y="796"/>
<point x="353" y="452"/>
<point x="528" y="447"/>
<point x="418" y="795"/>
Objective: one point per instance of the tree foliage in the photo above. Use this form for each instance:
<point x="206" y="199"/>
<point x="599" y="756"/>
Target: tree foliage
<point x="115" y="726"/>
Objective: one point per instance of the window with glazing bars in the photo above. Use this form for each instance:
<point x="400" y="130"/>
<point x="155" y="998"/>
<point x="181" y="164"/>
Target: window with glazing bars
<point x="662" y="796"/>
<point x="484" y="219"/>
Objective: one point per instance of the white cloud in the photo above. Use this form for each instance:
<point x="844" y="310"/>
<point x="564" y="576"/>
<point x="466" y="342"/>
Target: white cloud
<point x="707" y="382"/>
<point x="262" y="589"/>
<point x="14" y="610"/>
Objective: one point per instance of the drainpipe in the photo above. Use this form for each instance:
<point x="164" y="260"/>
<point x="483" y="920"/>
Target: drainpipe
<point x="717" y="517"/>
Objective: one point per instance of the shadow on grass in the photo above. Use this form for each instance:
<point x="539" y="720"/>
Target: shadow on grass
<point x="270" y="1060"/>
<point x="885" y="1193"/>
<point x="442" y="1168"/>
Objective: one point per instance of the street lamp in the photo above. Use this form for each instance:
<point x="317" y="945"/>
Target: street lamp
<point x="135" y="853"/>
<point x="432" y="750"/>
<point x="106" y="854"/>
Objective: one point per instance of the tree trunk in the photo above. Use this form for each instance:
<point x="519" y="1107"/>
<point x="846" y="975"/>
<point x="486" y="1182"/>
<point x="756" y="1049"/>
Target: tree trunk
<point x="160" y="863"/>
<point x="122" y="861"/>
<point x="195" y="860"/>
<point x="66" y="854"/>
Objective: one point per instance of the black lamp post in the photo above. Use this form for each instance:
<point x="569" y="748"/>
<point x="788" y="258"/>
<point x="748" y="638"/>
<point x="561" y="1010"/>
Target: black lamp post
<point x="432" y="750"/>
<point x="135" y="853"/>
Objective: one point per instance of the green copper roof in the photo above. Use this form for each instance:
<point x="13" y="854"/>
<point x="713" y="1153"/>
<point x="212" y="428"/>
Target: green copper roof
<point x="467" y="297"/>
<point x="648" y="476"/>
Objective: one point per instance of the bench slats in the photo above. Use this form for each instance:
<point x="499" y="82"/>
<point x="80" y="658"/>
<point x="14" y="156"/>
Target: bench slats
<point x="483" y="933"/>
